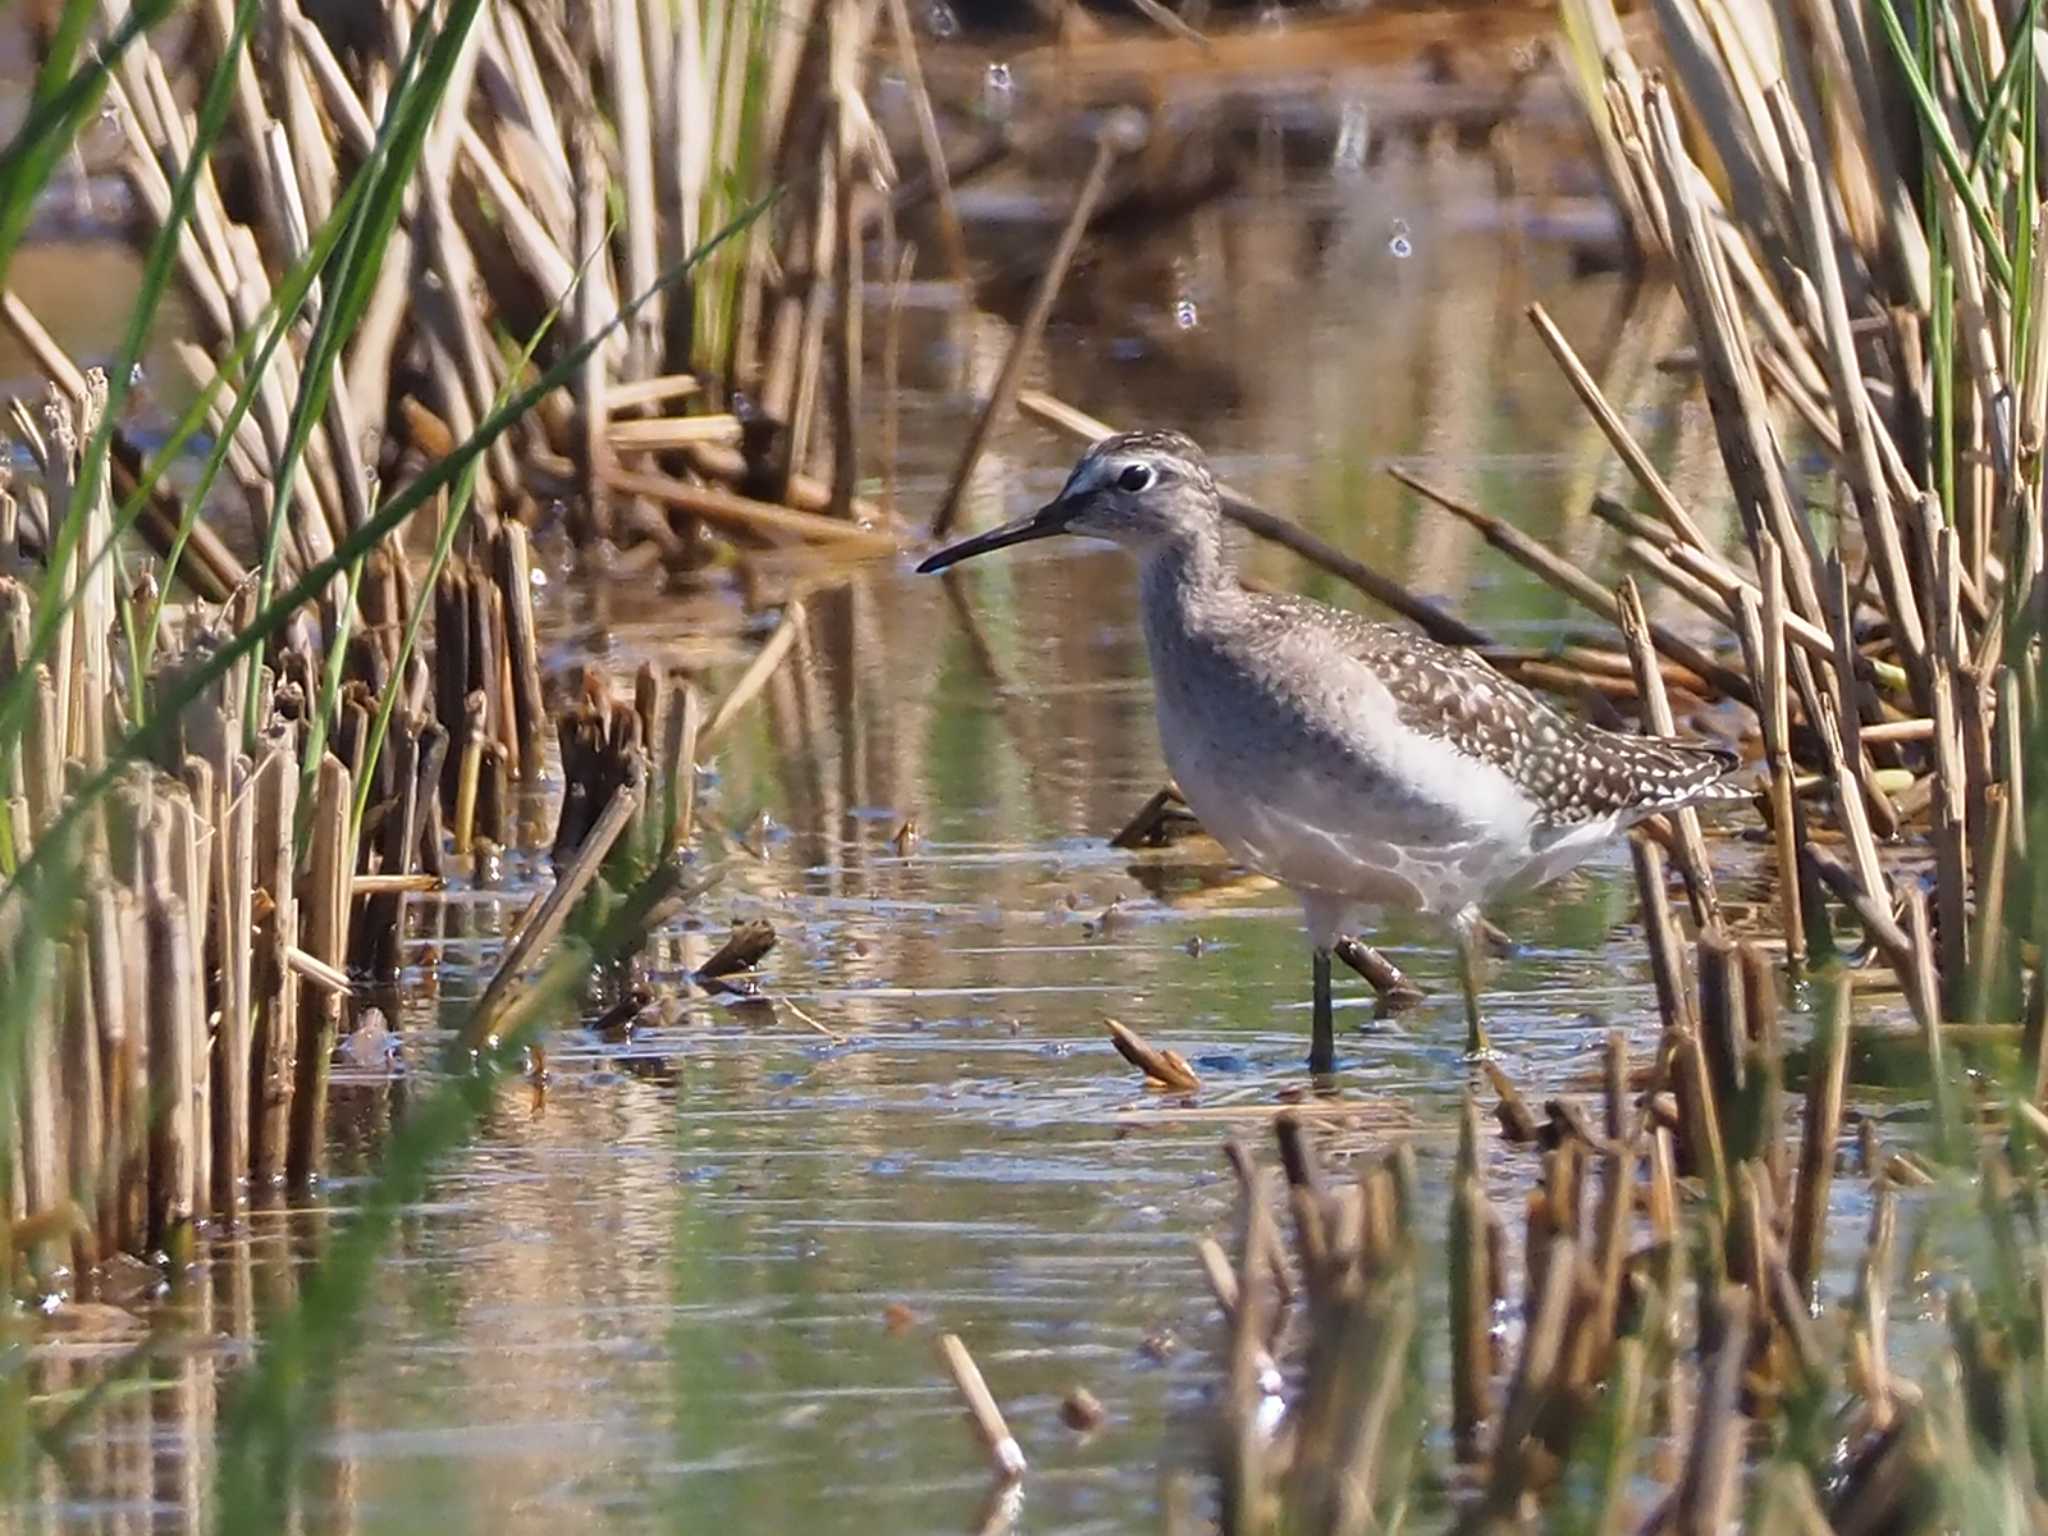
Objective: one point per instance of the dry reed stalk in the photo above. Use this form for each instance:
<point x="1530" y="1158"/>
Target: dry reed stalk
<point x="847" y="272"/>
<point x="234" y="885"/>
<point x="952" y="241"/>
<point x="324" y="898"/>
<point x="1922" y="992"/>
<point x="1660" y="932"/>
<point x="1741" y="418"/>
<point x="1853" y="415"/>
<point x="41" y="1184"/>
<point x="1706" y="1492"/>
<point x="1221" y="1277"/>
<point x="381" y="884"/>
<point x="1765" y="1052"/>
<point x="274" y="996"/>
<point x="1951" y="774"/>
<point x="1701" y="1139"/>
<point x="1658" y="721"/>
<point x="1517" y="1124"/>
<point x="655" y="434"/>
<point x="1827" y="1081"/>
<point x="1514" y="1457"/>
<point x="113" y="938"/>
<point x="331" y="978"/>
<point x="772" y="525"/>
<point x="1763" y="633"/>
<point x="1387" y="979"/>
<point x="185" y="1004"/>
<point x="748" y="685"/>
<point x="1574" y="583"/>
<point x="892" y="375"/>
<point x="1121" y="133"/>
<point x="1474" y="1288"/>
<point x="1616" y="430"/>
<point x="1006" y="1457"/>
<point x="1723" y="1014"/>
<point x="1870" y="1343"/>
<point x="1652" y="556"/>
<point x="683" y="766"/>
<point x="172" y="1028"/>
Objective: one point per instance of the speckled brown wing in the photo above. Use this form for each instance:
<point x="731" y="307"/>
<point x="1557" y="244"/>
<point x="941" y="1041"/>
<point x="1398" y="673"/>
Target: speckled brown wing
<point x="1575" y="772"/>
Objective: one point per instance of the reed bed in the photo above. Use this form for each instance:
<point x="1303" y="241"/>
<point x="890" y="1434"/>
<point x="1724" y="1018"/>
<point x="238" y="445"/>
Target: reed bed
<point x="1848" y="201"/>
<point x="560" y="175"/>
<point x="1664" y="1341"/>
<point x="1851" y="217"/>
<point x="449" y="268"/>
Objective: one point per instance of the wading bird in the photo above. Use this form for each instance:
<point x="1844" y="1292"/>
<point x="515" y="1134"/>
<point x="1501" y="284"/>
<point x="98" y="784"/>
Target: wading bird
<point x="1357" y="763"/>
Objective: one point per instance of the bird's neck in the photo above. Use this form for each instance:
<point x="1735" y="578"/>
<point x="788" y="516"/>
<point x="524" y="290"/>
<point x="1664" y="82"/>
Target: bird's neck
<point x="1190" y="565"/>
<point x="1182" y="581"/>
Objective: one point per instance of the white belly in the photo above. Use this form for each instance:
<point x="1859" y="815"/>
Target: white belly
<point x="1353" y="829"/>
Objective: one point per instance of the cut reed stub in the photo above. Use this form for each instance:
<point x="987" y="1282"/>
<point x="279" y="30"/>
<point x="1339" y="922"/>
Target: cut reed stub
<point x="1516" y="1121"/>
<point x="1005" y="1455"/>
<point x="748" y="945"/>
<point x="1162" y="1068"/>
<point x="1159" y="821"/>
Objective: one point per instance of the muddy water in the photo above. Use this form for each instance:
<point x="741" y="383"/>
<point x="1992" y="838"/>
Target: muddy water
<point x="697" y="1282"/>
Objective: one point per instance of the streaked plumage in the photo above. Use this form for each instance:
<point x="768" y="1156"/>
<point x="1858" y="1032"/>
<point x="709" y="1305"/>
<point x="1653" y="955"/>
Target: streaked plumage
<point x="1356" y="762"/>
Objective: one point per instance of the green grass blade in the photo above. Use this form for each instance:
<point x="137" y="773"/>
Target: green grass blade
<point x="2019" y="64"/>
<point x="59" y="111"/>
<point x="1934" y="129"/>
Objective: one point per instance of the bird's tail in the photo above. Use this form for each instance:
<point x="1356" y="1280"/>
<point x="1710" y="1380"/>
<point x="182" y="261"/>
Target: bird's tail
<point x="1693" y="774"/>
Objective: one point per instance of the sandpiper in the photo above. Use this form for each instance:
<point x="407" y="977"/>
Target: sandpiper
<point x="1358" y="763"/>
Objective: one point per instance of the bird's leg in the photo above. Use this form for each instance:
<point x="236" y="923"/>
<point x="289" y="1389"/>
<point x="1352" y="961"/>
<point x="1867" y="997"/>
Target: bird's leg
<point x="1471" y="930"/>
<point x="1322" y="1050"/>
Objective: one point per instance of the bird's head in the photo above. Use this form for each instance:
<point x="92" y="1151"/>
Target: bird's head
<point x="1137" y="489"/>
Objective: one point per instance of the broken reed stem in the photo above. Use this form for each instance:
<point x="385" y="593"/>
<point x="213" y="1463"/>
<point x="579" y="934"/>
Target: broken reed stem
<point x="951" y="238"/>
<point x="1164" y="1069"/>
<point x="1388" y="981"/>
<point x="1473" y="1289"/>
<point x="1005" y="1456"/>
<point x="1573" y="582"/>
<point x="1658" y="721"/>
<point x="546" y="920"/>
<point x="1121" y="133"/>
<point x="1826" y="1086"/>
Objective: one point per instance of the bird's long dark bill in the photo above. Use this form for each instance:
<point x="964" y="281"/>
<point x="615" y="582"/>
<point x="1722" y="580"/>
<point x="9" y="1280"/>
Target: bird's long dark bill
<point x="1042" y="524"/>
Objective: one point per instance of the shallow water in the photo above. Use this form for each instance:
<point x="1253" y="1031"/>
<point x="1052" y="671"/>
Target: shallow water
<point x="698" y="1280"/>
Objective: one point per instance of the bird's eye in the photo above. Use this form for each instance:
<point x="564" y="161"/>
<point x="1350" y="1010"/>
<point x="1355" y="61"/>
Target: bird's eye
<point x="1135" y="477"/>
